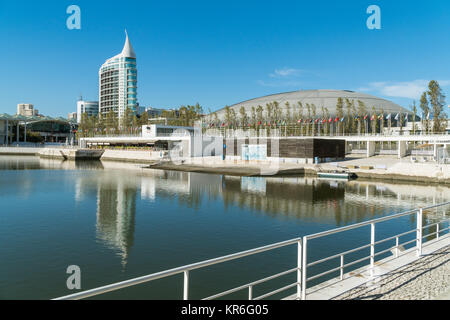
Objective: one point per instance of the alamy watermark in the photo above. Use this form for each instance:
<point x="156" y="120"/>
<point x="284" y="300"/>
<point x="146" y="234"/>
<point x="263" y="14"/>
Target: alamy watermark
<point x="374" y="20"/>
<point x="74" y="280"/>
<point x="74" y="20"/>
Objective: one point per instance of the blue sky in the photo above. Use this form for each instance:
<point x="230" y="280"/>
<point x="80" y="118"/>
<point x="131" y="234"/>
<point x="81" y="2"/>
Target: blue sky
<point x="219" y="53"/>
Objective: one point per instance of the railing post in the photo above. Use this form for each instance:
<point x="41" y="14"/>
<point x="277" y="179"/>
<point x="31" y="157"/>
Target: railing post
<point x="186" y="285"/>
<point x="250" y="292"/>
<point x="372" y="248"/>
<point x="396" y="247"/>
<point x="299" y="268"/>
<point x="437" y="231"/>
<point x="342" y="267"/>
<point x="419" y="232"/>
<point x="304" y="263"/>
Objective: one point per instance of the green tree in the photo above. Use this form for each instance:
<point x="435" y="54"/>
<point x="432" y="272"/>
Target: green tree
<point x="414" y="109"/>
<point x="437" y="102"/>
<point x="243" y="117"/>
<point x="350" y="119"/>
<point x="362" y="111"/>
<point x="424" y="105"/>
<point x="253" y="119"/>
<point x="259" y="114"/>
<point x="143" y="120"/>
<point x="227" y="115"/>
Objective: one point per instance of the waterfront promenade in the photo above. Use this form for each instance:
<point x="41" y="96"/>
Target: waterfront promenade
<point x="427" y="278"/>
<point x="405" y="278"/>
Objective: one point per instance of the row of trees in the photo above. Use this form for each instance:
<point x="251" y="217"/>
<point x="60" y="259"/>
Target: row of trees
<point x="305" y="116"/>
<point x="351" y="117"/>
<point x="131" y="123"/>
<point x="184" y="116"/>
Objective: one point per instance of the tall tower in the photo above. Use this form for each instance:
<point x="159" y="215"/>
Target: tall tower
<point x="118" y="82"/>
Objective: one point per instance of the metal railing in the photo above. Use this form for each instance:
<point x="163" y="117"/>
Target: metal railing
<point x="187" y="268"/>
<point x="302" y="259"/>
<point x="372" y="223"/>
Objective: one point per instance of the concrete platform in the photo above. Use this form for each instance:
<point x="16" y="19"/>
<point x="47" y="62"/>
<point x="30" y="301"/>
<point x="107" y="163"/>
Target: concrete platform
<point x="335" y="287"/>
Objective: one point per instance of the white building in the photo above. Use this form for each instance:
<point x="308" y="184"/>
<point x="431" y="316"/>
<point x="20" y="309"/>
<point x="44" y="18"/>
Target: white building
<point x="88" y="107"/>
<point x="118" y="83"/>
<point x="72" y="116"/>
<point x="27" y="110"/>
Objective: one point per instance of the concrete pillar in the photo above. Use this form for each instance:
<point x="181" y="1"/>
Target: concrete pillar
<point x="25" y="133"/>
<point x="17" y="132"/>
<point x="401" y="149"/>
<point x="370" y="148"/>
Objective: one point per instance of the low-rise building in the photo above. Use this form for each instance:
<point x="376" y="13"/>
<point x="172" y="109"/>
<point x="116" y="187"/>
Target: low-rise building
<point x="72" y="116"/>
<point x="27" y="110"/>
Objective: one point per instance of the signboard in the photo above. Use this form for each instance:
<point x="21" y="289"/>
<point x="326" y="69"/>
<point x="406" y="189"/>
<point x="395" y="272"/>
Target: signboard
<point x="254" y="152"/>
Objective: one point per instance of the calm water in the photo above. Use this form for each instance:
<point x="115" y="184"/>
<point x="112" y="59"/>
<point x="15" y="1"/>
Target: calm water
<point x="119" y="221"/>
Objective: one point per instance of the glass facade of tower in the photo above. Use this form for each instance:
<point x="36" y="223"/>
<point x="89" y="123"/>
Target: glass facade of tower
<point x="118" y="83"/>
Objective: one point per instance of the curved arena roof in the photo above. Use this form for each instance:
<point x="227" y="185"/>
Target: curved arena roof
<point x="326" y="98"/>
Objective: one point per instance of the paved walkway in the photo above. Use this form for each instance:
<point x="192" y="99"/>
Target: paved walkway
<point x="428" y="278"/>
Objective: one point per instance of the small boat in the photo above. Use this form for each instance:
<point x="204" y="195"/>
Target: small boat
<point x="335" y="175"/>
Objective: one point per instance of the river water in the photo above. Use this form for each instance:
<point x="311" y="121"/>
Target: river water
<point x="118" y="221"/>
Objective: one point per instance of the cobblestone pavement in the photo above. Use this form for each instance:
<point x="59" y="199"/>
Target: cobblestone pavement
<point x="425" y="279"/>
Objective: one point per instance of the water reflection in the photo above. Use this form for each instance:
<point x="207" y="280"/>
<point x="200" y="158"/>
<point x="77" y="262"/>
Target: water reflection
<point x="116" y="211"/>
<point x="118" y="189"/>
<point x="297" y="198"/>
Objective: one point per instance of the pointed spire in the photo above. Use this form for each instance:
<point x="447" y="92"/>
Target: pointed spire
<point x="127" y="50"/>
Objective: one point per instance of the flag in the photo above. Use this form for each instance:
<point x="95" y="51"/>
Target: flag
<point x="315" y="121"/>
<point x="428" y="116"/>
<point x="396" y="117"/>
<point x="365" y="117"/>
<point x="299" y="120"/>
<point x="373" y="117"/>
<point x="342" y="119"/>
<point x="406" y="118"/>
<point x="380" y="117"/>
<point x="388" y="117"/>
<point x="329" y="120"/>
<point x="336" y="120"/>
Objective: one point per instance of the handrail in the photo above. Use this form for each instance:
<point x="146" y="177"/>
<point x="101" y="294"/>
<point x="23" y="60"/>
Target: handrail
<point x="174" y="271"/>
<point x="302" y="266"/>
<point x="366" y="223"/>
<point x="372" y="223"/>
<point x="251" y="284"/>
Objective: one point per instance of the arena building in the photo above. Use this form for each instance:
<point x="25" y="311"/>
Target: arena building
<point x="319" y="98"/>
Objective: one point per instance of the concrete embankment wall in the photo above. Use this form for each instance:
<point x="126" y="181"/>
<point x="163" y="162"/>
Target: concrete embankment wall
<point x="131" y="156"/>
<point x="20" y="151"/>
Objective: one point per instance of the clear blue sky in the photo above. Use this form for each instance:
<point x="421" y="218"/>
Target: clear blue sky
<point x="219" y="53"/>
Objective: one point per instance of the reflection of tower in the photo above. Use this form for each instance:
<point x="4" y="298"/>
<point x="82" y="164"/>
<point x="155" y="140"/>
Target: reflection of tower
<point x="148" y="188"/>
<point x="116" y="210"/>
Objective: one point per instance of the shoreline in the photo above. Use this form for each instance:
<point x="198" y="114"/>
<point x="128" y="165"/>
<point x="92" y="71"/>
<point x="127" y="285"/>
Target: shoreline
<point x="304" y="171"/>
<point x="396" y="170"/>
